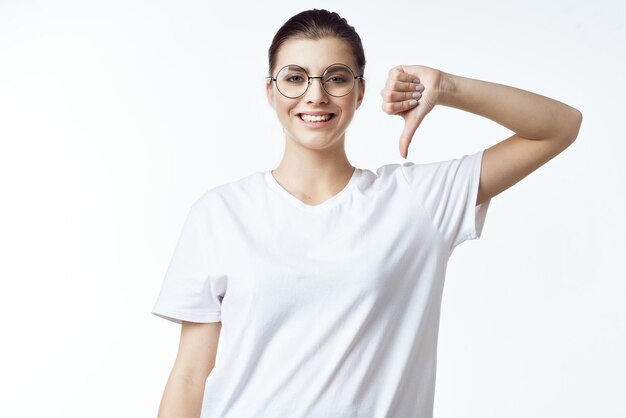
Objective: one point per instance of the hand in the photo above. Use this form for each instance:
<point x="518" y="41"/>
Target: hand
<point x="398" y="95"/>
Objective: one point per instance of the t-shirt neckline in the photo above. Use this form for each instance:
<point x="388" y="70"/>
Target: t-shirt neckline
<point x="332" y="201"/>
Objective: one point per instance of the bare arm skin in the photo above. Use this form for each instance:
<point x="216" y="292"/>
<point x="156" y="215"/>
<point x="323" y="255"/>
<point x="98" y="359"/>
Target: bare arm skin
<point x="543" y="127"/>
<point x="182" y="397"/>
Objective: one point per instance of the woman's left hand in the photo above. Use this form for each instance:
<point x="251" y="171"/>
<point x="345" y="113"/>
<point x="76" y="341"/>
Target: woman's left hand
<point x="399" y="98"/>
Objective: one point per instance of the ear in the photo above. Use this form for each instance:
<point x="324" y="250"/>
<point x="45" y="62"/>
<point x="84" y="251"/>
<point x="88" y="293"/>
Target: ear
<point x="269" y="92"/>
<point x="361" y="93"/>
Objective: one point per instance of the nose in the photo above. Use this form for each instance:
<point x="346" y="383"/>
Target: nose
<point x="316" y="92"/>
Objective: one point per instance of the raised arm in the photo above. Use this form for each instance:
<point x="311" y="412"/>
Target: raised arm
<point x="543" y="127"/>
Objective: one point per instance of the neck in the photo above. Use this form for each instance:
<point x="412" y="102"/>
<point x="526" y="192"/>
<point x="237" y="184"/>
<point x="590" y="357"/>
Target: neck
<point x="313" y="174"/>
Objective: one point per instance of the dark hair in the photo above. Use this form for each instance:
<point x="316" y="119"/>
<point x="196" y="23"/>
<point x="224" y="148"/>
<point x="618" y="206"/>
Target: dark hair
<point x="317" y="24"/>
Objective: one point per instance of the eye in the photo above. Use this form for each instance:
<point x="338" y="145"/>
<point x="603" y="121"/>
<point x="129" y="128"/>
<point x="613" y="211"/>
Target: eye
<point x="336" y="79"/>
<point x="295" y="78"/>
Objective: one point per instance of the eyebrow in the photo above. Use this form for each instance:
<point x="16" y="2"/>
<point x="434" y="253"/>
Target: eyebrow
<point x="336" y="64"/>
<point x="295" y="67"/>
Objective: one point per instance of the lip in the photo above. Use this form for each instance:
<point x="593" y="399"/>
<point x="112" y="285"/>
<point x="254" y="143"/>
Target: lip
<point x="320" y="124"/>
<point x="314" y="113"/>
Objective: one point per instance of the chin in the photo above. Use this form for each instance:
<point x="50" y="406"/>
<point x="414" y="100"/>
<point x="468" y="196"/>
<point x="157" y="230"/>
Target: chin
<point x="318" y="142"/>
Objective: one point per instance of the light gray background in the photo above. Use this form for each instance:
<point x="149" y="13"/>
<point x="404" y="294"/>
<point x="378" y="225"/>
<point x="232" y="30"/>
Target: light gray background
<point x="115" y="116"/>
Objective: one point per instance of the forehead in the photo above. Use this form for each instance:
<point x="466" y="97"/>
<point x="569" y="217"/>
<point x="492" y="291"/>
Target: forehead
<point x="315" y="55"/>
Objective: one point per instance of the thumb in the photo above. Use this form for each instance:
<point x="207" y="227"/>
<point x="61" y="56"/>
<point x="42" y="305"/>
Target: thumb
<point x="410" y="126"/>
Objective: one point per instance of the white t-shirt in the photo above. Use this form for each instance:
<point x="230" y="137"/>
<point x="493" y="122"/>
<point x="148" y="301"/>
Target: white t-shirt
<point x="329" y="310"/>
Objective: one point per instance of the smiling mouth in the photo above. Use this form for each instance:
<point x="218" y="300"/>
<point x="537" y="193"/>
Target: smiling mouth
<point x="312" y="118"/>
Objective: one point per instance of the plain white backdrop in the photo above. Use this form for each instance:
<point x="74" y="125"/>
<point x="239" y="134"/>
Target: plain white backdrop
<point x="115" y="116"/>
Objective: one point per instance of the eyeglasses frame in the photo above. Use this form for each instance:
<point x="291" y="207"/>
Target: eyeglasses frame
<point x="309" y="78"/>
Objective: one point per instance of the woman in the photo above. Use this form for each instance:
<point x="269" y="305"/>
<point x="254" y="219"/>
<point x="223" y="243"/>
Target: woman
<point x="328" y="277"/>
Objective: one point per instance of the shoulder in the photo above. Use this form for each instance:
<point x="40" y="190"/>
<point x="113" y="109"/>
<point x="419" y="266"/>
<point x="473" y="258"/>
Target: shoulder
<point x="408" y="172"/>
<point x="231" y="194"/>
<point x="382" y="174"/>
<point x="435" y="171"/>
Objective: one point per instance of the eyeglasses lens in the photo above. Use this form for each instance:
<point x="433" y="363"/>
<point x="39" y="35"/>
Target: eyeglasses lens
<point x="292" y="80"/>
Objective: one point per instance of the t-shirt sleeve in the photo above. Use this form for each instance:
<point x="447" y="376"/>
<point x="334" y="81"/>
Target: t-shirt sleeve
<point x="191" y="290"/>
<point x="448" y="191"/>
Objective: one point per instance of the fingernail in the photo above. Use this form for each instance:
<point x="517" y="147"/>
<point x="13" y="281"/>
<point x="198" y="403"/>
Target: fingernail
<point x="412" y="102"/>
<point x="416" y="81"/>
<point x="417" y="94"/>
<point x="419" y="88"/>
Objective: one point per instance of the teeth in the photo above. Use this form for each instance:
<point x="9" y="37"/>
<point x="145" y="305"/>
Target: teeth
<point x="311" y="118"/>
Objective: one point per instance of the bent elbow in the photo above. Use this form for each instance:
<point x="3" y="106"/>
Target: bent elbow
<point x="576" y="121"/>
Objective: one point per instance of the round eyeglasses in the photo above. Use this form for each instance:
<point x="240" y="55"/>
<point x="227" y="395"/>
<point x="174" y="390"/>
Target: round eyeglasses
<point x="292" y="81"/>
